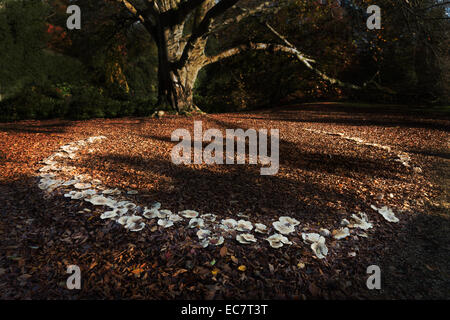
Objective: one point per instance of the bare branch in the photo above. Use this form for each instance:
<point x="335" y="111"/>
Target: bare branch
<point x="266" y="8"/>
<point x="203" y="27"/>
<point x="133" y="10"/>
<point x="177" y="15"/>
<point x="306" y="61"/>
<point x="289" y="48"/>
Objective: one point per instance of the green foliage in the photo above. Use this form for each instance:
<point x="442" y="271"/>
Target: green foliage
<point x="32" y="103"/>
<point x="79" y="102"/>
<point x="90" y="102"/>
<point x="22" y="27"/>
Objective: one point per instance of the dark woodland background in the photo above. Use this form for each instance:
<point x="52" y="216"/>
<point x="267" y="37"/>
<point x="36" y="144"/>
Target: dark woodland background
<point x="109" y="67"/>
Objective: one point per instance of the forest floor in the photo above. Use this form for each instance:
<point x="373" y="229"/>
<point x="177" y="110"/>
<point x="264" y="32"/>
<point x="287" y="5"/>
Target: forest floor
<point x="322" y="179"/>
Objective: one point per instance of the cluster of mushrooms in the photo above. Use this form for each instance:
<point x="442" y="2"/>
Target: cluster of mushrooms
<point x="210" y="231"/>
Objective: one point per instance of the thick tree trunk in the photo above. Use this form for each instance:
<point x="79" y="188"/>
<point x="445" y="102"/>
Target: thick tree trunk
<point x="176" y="82"/>
<point x="176" y="85"/>
<point x="181" y="57"/>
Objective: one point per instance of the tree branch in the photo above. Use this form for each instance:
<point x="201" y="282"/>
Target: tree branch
<point x="177" y="15"/>
<point x="279" y="48"/>
<point x="302" y="58"/>
<point x="203" y="28"/>
<point x="141" y="16"/>
<point x="266" y="7"/>
<point x="289" y="48"/>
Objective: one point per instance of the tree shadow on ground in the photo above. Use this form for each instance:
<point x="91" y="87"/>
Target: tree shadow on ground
<point x="354" y="116"/>
<point x="291" y="155"/>
<point x="236" y="189"/>
<point x="415" y="265"/>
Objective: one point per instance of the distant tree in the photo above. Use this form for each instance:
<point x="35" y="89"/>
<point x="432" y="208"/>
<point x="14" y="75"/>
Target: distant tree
<point x="22" y="39"/>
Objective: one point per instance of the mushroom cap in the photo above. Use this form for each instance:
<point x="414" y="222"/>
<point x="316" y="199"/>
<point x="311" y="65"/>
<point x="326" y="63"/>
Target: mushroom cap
<point x="150" y="213"/>
<point x="203" y="234"/>
<point x="244" y="225"/>
<point x="261" y="228"/>
<point x="229" y="223"/>
<point x="189" y="213"/>
<point x="245" y="238"/>
<point x="196" y="223"/>
<point x="283" y="228"/>
<point x="109" y="214"/>
<point x="289" y="220"/>
<point x="165" y="223"/>
<point x="311" y="237"/>
<point x="175" y="218"/>
<point x="209" y="217"/>
<point x="342" y="233"/>
<point x="277" y="240"/>
<point x="82" y="186"/>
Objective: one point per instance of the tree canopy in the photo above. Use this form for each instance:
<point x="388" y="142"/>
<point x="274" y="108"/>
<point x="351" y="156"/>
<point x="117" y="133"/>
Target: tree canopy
<point x="222" y="55"/>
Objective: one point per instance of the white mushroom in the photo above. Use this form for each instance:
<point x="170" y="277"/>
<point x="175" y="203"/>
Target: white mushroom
<point x="89" y="192"/>
<point x="121" y="211"/>
<point x="203" y="234"/>
<point x="245" y="238"/>
<point x="125" y="204"/>
<point x="285" y="225"/>
<point x="174" y="217"/>
<point x="277" y="240"/>
<point x="216" y="240"/>
<point x="189" y="214"/>
<point x="324" y="232"/>
<point x="82" y="186"/>
<point x="245" y="226"/>
<point x="387" y="213"/>
<point x="133" y="221"/>
<point x="261" y="228"/>
<point x="156" y="206"/>
<point x="196" y="223"/>
<point x="283" y="228"/>
<point x="99" y="200"/>
<point x="342" y="233"/>
<point x="319" y="248"/>
<point x="289" y="220"/>
<point x="311" y="237"/>
<point x="74" y="195"/>
<point x="362" y="222"/>
<point x="109" y="214"/>
<point x="229" y="223"/>
<point x="150" y="213"/>
<point x="113" y="192"/>
<point x="136" y="226"/>
<point x="163" y="214"/>
<point x="70" y="183"/>
<point x="213" y="240"/>
<point x="209" y="217"/>
<point x="123" y="220"/>
<point x="165" y="223"/>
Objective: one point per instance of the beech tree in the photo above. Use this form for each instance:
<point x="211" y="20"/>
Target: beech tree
<point x="181" y="29"/>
